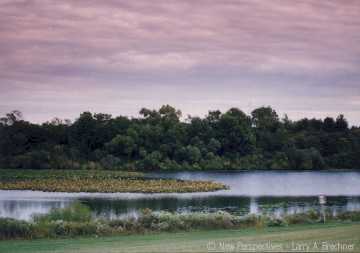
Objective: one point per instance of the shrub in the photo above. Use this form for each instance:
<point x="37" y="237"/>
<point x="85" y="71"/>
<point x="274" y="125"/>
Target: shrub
<point x="11" y="229"/>
<point x="110" y="162"/>
<point x="117" y="223"/>
<point x="147" y="218"/>
<point x="261" y="221"/>
<point x="103" y="228"/>
<point x="38" y="159"/>
<point x="131" y="225"/>
<point x="53" y="229"/>
<point x="79" y="228"/>
<point x="175" y="222"/>
<point x="44" y="229"/>
<point x="300" y="218"/>
<point x="349" y="216"/>
<point x="75" y="221"/>
<point x="91" y="166"/>
<point x="246" y="221"/>
<point x="313" y="214"/>
<point x="77" y="212"/>
<point x="276" y="222"/>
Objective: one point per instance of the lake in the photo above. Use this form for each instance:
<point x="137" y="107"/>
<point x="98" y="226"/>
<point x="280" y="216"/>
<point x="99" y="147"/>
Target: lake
<point x="250" y="192"/>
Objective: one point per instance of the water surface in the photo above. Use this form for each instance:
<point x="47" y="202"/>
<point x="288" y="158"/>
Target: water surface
<point x="250" y="192"/>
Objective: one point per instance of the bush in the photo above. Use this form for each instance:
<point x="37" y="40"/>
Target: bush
<point x="300" y="218"/>
<point x="77" y="212"/>
<point x="38" y="159"/>
<point x="110" y="162"/>
<point x="79" y="228"/>
<point x="313" y="214"/>
<point x="200" y="220"/>
<point x="75" y="221"/>
<point x="102" y="228"/>
<point x="47" y="230"/>
<point x="91" y="166"/>
<point x="276" y="222"/>
<point x="170" y="222"/>
<point x="349" y="216"/>
<point x="222" y="220"/>
<point x="246" y="221"/>
<point x="117" y="224"/>
<point x="11" y="229"/>
<point x="54" y="229"/>
<point x="147" y="218"/>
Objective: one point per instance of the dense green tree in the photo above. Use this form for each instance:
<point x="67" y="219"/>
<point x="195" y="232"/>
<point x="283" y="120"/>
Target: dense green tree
<point x="11" y="117"/>
<point x="121" y="145"/>
<point x="160" y="139"/>
<point x="152" y="161"/>
<point x="214" y="145"/>
<point x="329" y="124"/>
<point x="193" y="154"/>
<point x="264" y="118"/>
<point x="341" y="123"/>
<point x="235" y="135"/>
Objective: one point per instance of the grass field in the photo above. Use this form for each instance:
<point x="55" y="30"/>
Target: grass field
<point x="295" y="238"/>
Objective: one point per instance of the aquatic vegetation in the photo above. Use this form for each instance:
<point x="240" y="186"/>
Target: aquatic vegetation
<point x="99" y="181"/>
<point x="112" y="185"/>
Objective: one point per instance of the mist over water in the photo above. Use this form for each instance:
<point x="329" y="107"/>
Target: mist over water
<point x="282" y="183"/>
<point x="250" y="192"/>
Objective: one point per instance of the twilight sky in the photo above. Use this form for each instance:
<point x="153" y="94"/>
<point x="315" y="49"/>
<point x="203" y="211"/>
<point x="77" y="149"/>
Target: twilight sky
<point x="59" y="58"/>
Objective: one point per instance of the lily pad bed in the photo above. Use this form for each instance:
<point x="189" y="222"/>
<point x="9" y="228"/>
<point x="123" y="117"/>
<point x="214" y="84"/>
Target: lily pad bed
<point x="100" y="181"/>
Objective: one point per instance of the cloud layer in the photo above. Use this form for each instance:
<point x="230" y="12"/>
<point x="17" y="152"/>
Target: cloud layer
<point x="62" y="57"/>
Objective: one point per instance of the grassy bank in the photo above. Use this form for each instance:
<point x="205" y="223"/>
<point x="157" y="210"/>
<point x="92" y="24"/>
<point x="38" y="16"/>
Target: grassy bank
<point x="98" y="181"/>
<point x="197" y="241"/>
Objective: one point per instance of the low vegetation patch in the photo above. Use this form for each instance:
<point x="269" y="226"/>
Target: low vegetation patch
<point x="113" y="185"/>
<point x="76" y="220"/>
<point x="99" y="181"/>
<point x="11" y="174"/>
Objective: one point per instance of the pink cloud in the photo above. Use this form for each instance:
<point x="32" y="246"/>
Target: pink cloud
<point x="77" y="43"/>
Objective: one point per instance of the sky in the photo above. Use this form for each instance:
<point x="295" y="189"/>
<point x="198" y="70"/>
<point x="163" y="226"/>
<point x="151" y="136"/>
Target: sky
<point x="60" y="58"/>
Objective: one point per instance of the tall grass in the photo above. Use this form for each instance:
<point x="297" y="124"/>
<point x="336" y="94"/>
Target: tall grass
<point x="77" y="212"/>
<point x="76" y="220"/>
<point x="13" y="229"/>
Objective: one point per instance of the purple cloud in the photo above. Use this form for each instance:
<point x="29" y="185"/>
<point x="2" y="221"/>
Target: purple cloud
<point x="59" y="58"/>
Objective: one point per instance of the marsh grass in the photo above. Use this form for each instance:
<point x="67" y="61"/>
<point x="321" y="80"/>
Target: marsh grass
<point x="13" y="229"/>
<point x="113" y="185"/>
<point x="76" y="220"/>
<point x="99" y="181"/>
<point x="76" y="212"/>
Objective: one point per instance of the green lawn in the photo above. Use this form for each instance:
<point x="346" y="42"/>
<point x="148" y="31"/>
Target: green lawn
<point x="198" y="241"/>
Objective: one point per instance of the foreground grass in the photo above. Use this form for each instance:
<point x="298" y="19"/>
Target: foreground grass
<point x="97" y="181"/>
<point x="199" y="241"/>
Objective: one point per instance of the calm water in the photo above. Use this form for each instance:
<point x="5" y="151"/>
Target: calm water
<point x="250" y="192"/>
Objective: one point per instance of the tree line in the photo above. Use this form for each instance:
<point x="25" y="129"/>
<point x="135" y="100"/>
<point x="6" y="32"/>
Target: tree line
<point x="160" y="140"/>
